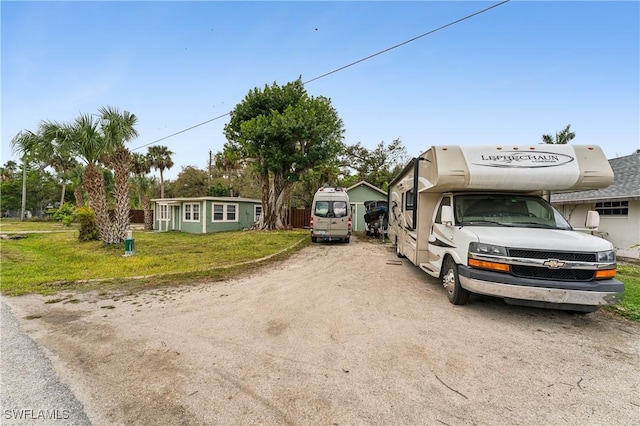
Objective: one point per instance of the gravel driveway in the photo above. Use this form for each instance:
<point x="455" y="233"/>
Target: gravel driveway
<point x="336" y="334"/>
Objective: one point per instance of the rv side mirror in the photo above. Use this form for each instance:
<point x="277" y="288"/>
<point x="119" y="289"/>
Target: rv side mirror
<point x="593" y="219"/>
<point x="446" y="216"/>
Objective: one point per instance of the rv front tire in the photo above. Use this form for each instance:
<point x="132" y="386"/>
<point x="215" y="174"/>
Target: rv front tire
<point x="451" y="282"/>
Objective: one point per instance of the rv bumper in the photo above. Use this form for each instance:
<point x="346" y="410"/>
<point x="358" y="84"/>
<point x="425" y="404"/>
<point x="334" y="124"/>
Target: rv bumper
<point x="592" y="293"/>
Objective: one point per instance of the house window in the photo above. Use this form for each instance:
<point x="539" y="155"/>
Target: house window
<point x="225" y="213"/>
<point x="257" y="212"/>
<point x="218" y="212"/>
<point x="613" y="208"/>
<point x="192" y="212"/>
<point x="164" y="212"/>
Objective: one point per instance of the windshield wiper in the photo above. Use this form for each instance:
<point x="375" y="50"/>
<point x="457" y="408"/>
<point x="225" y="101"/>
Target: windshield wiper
<point x="492" y="222"/>
<point x="539" y="225"/>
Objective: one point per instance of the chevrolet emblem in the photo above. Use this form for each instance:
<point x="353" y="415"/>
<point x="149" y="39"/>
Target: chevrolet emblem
<point x="553" y="264"/>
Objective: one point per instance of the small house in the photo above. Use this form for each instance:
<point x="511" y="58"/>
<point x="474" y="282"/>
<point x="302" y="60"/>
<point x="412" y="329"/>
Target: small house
<point x="358" y="195"/>
<point x="203" y="215"/>
<point x="618" y="206"/>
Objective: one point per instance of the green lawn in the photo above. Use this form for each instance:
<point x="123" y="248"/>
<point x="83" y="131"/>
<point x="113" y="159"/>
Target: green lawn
<point x="45" y="263"/>
<point x="629" y="274"/>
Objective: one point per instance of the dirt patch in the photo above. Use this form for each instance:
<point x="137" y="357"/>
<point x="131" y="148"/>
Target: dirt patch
<point x="336" y="334"/>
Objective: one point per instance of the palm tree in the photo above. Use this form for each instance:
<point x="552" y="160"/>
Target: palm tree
<point x="75" y="176"/>
<point x="160" y="158"/>
<point x="140" y="166"/>
<point x="25" y="143"/>
<point x="562" y="137"/>
<point x="84" y="139"/>
<point x="117" y="129"/>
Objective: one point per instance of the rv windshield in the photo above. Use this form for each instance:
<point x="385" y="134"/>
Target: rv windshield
<point x="507" y="210"/>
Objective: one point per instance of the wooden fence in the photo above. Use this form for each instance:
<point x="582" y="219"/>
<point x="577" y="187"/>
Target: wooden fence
<point x="299" y="218"/>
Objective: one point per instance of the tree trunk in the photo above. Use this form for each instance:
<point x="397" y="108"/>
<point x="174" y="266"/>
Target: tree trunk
<point x="275" y="194"/>
<point x="77" y="193"/>
<point x="94" y="182"/>
<point x="64" y="190"/>
<point x="23" y="205"/>
<point x="161" y="184"/>
<point x="148" y="217"/>
<point x="120" y="161"/>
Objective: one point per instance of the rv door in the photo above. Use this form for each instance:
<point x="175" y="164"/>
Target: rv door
<point x="441" y="233"/>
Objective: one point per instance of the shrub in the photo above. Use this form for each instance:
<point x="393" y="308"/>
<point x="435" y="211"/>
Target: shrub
<point x="65" y="214"/>
<point x="87" y="220"/>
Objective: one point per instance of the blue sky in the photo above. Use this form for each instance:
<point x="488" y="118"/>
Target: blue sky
<point x="503" y="77"/>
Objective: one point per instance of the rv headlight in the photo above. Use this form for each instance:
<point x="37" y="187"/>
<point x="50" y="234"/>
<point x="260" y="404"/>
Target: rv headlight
<point x="489" y="249"/>
<point x="606" y="256"/>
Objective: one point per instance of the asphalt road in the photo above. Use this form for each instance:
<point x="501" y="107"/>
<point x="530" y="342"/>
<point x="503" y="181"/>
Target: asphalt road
<point x="31" y="393"/>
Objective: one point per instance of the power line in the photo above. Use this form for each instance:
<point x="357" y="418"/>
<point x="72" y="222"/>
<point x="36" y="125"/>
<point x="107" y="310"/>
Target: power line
<point x="457" y="21"/>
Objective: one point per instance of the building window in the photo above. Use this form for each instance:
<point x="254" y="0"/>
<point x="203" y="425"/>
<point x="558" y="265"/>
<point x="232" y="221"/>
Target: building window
<point x="231" y="212"/>
<point x="257" y="212"/>
<point x="192" y="212"/>
<point x="164" y="212"/>
<point x="225" y="213"/>
<point x="613" y="208"/>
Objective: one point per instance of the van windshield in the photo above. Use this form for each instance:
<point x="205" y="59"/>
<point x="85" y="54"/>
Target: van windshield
<point x="507" y="210"/>
<point x="330" y="209"/>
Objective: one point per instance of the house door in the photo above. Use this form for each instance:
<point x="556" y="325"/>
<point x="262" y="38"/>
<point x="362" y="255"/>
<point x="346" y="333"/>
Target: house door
<point x="175" y="218"/>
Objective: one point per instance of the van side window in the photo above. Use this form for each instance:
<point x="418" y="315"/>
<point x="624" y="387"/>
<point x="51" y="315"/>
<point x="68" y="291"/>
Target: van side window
<point x="408" y="200"/>
<point x="446" y="201"/>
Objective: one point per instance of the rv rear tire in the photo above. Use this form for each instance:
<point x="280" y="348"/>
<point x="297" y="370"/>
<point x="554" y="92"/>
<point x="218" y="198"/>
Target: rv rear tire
<point x="451" y="282"/>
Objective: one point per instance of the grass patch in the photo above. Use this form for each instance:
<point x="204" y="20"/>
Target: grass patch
<point x="8" y="226"/>
<point x="51" y="262"/>
<point x="629" y="274"/>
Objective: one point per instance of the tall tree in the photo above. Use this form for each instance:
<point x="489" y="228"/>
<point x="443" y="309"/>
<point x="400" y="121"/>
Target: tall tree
<point x="161" y="160"/>
<point x="25" y="143"/>
<point x="282" y="132"/>
<point x="228" y="162"/>
<point x="377" y="166"/>
<point x="117" y="129"/>
<point x="84" y="138"/>
<point x="191" y="182"/>
<point x="54" y="152"/>
<point x="562" y="137"/>
<point x="140" y="167"/>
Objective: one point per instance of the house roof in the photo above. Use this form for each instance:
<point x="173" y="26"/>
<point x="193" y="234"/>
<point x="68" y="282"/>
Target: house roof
<point x="192" y="199"/>
<point x="363" y="183"/>
<point x="625" y="185"/>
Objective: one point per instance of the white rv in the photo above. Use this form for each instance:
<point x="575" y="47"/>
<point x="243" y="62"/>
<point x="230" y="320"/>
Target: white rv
<point x="474" y="216"/>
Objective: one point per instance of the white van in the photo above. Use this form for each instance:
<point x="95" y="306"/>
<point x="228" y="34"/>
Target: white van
<point x="474" y="217"/>
<point x="330" y="215"/>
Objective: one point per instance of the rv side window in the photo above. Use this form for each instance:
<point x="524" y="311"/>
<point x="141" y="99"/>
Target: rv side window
<point x="408" y="200"/>
<point x="446" y="201"/>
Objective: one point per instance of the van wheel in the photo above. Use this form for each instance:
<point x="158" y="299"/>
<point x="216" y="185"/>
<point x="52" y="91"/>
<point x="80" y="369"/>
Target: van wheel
<point x="451" y="282"/>
<point x="314" y="239"/>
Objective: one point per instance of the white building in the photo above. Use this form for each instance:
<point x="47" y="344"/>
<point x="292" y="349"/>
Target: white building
<point x="618" y="205"/>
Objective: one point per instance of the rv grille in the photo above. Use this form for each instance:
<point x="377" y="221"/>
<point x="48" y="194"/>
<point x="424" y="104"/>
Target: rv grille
<point x="552" y="274"/>
<point x="535" y="254"/>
